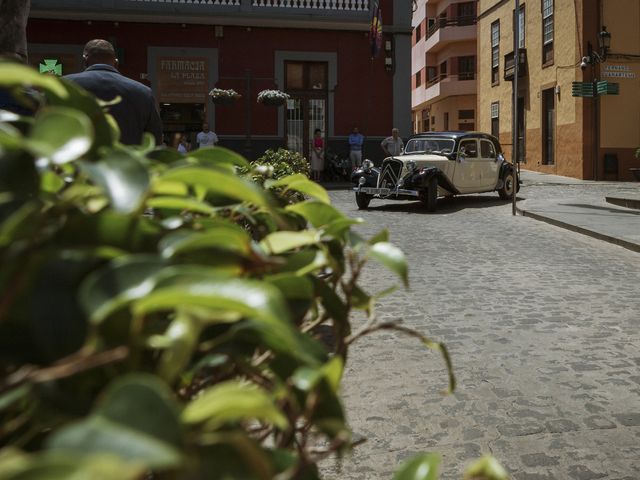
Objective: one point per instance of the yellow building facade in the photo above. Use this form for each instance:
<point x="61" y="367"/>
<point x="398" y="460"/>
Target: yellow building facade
<point x="582" y="137"/>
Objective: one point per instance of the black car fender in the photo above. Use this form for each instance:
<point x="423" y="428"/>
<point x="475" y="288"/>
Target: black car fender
<point x="505" y="168"/>
<point x="370" y="176"/>
<point x="421" y="178"/>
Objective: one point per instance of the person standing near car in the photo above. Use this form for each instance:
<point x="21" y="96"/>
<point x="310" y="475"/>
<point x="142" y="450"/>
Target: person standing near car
<point x="392" y="145"/>
<point x="355" y="148"/>
<point x="137" y="111"/>
<point x="206" y="138"/>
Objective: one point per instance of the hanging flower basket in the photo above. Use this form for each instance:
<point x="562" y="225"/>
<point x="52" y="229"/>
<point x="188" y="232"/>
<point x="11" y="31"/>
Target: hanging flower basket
<point x="220" y="96"/>
<point x="273" y="98"/>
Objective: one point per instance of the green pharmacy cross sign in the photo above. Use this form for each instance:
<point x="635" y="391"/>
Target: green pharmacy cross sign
<point x="51" y="66"/>
<point x="586" y="89"/>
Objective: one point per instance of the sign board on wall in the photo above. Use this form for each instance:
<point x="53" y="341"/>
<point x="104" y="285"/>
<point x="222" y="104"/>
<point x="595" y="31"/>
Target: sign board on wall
<point x="182" y="79"/>
<point x="618" y="71"/>
<point x="58" y="63"/>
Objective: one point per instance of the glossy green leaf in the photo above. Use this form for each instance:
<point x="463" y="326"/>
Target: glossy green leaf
<point x="60" y="135"/>
<point x="391" y="257"/>
<point x="302" y="184"/>
<point x="316" y="213"/>
<point x="58" y="466"/>
<point x="12" y="396"/>
<point x="169" y="188"/>
<point x="118" y="283"/>
<point x="233" y="401"/>
<point x="280" y="242"/>
<point x="123" y="177"/>
<point x="420" y="467"/>
<point x="14" y="74"/>
<point x="201" y="287"/>
<point x="181" y="204"/>
<point x="98" y="435"/>
<point x="307" y="378"/>
<point x="218" y="182"/>
<point x="218" y="155"/>
<point x="227" y="238"/>
<point x="10" y="137"/>
<point x="145" y="404"/>
<point x="486" y="468"/>
<point x="165" y="155"/>
<point x="381" y="236"/>
<point x="182" y="337"/>
<point x="51" y="182"/>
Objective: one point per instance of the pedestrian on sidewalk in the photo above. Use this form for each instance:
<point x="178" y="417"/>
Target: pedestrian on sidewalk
<point x="356" y="139"/>
<point x="392" y="145"/>
<point x="317" y="155"/>
<point x="206" y="138"/>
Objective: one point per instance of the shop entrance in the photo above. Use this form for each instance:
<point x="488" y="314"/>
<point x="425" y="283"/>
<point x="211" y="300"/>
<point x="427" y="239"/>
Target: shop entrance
<point x="181" y="118"/>
<point x="306" y="82"/>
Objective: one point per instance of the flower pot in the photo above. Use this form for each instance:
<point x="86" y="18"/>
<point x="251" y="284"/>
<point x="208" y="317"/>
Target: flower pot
<point x="273" y="102"/>
<point x="223" y="100"/>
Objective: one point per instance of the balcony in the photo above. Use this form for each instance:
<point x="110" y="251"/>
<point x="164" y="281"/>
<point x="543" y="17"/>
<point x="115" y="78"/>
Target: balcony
<point x="509" y="64"/>
<point x="443" y="86"/>
<point x="339" y="14"/>
<point x="448" y="30"/>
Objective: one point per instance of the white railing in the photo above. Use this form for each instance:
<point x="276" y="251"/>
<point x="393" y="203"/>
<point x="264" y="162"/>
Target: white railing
<point x="194" y="2"/>
<point x="344" y="5"/>
<point x="352" y="5"/>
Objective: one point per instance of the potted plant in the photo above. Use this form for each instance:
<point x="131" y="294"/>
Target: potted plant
<point x="273" y="97"/>
<point x="221" y="96"/>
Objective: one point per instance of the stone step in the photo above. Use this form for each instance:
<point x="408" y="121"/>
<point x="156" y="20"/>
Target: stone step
<point x="627" y="202"/>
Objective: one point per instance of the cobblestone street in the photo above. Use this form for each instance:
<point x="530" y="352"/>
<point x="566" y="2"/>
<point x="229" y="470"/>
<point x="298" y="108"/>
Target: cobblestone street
<point x="543" y="328"/>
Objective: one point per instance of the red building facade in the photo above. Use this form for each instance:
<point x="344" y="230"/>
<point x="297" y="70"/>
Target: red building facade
<point x="326" y="67"/>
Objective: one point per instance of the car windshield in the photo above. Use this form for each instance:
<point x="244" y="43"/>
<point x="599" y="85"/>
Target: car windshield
<point x="438" y="146"/>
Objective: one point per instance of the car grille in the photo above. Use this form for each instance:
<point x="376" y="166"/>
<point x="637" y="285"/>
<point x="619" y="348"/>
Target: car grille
<point x="390" y="173"/>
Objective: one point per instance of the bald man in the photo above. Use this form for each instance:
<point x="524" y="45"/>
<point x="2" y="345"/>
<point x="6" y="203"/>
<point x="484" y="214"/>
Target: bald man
<point x="137" y="111"/>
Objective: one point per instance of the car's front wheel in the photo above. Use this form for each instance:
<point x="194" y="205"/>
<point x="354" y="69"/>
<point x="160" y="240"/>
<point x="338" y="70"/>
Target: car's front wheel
<point x="430" y="198"/>
<point x="508" y="183"/>
<point x="362" y="200"/>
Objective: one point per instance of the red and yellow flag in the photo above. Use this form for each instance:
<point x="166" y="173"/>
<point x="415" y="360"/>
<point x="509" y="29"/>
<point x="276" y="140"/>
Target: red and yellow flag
<point x="375" y="33"/>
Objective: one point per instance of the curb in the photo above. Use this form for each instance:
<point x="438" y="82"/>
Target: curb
<point x="624" y="202"/>
<point x="584" y="231"/>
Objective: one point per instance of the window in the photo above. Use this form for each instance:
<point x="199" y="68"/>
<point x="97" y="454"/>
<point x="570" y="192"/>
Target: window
<point x="425" y="121"/>
<point x="466" y="68"/>
<point x="418" y="78"/>
<point x="446" y="121"/>
<point x="306" y="75"/>
<point x="495" y="119"/>
<point x="469" y="148"/>
<point x="547" y="32"/>
<point x="486" y="149"/>
<point x="418" y="32"/>
<point x="432" y="73"/>
<point x="443" y="70"/>
<point x="466" y="114"/>
<point x="495" y="52"/>
<point x="521" y="27"/>
<point x="433" y="121"/>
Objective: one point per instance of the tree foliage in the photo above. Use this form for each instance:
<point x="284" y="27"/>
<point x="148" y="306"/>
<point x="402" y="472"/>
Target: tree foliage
<point x="160" y="315"/>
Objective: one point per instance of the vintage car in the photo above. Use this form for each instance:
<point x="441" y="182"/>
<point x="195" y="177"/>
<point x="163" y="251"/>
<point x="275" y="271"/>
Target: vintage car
<point x="435" y="164"/>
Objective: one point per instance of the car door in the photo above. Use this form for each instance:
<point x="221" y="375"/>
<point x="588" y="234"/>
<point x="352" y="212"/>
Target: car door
<point x="466" y="174"/>
<point x="488" y="165"/>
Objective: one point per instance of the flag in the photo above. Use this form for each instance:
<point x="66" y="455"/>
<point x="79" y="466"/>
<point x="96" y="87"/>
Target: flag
<point x="375" y="33"/>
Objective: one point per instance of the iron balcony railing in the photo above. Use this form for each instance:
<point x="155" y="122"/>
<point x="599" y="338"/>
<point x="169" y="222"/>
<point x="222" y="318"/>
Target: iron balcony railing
<point x="350" y="5"/>
<point x="451" y="22"/>
<point x="510" y="66"/>
<point x="460" y="76"/>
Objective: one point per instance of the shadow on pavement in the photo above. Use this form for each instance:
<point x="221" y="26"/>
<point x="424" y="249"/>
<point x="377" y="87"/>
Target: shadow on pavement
<point x="596" y="207"/>
<point x="444" y="206"/>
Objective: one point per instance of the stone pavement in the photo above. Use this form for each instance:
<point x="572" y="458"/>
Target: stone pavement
<point x="543" y="329"/>
<point x="597" y="209"/>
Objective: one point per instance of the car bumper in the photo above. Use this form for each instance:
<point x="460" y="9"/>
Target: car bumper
<point x="386" y="192"/>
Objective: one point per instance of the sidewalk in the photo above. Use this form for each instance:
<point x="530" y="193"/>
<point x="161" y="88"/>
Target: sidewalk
<point x="584" y="206"/>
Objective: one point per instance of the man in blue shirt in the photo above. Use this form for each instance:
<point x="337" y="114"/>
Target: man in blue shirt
<point x="137" y="111"/>
<point x="355" y="148"/>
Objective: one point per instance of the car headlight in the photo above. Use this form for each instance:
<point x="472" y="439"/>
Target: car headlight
<point x="411" y="165"/>
<point x="362" y="181"/>
<point x="367" y="165"/>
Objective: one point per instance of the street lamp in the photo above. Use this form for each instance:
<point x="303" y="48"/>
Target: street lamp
<point x="593" y="58"/>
